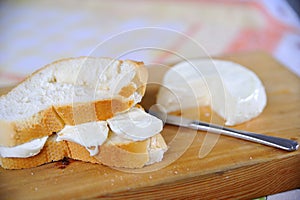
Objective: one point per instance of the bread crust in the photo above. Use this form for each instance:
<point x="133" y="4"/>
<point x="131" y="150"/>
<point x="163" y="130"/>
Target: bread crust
<point x="92" y="111"/>
<point x="53" y="119"/>
<point x="127" y="155"/>
<point x="52" y="151"/>
<point x="42" y="124"/>
<point x="132" y="155"/>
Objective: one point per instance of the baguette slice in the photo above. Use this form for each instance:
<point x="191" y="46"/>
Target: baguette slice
<point x="114" y="152"/>
<point x="52" y="151"/>
<point x="69" y="91"/>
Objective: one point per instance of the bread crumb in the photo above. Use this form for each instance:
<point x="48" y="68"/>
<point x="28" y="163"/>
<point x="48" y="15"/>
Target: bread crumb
<point x="112" y="181"/>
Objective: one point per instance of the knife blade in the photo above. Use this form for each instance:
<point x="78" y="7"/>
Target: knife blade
<point x="277" y="142"/>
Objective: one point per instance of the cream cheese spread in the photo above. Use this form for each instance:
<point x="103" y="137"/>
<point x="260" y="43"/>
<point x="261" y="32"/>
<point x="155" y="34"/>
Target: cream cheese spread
<point x="135" y="125"/>
<point x="25" y="150"/>
<point x="233" y="91"/>
<point x="156" y="152"/>
<point x="90" y="135"/>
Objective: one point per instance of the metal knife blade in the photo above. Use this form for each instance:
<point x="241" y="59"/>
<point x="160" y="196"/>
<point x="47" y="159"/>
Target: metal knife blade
<point x="277" y="142"/>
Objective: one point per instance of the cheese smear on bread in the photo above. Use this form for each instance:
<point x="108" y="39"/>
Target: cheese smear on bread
<point x="135" y="125"/>
<point x="90" y="135"/>
<point x="25" y="150"/>
<point x="233" y="91"/>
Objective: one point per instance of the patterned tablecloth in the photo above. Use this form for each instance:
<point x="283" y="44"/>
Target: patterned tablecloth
<point x="35" y="33"/>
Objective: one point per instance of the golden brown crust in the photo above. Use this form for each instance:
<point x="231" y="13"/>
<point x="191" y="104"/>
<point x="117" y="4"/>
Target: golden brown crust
<point x="127" y="91"/>
<point x="132" y="155"/>
<point x="39" y="125"/>
<point x="76" y="114"/>
<point x="52" y="151"/>
<point x="108" y="108"/>
<point x="78" y="152"/>
<point x="92" y="111"/>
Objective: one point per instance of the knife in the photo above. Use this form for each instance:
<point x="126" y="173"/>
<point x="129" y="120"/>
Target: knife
<point x="277" y="142"/>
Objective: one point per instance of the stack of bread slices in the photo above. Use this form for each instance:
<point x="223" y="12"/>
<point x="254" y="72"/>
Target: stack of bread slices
<point x="82" y="108"/>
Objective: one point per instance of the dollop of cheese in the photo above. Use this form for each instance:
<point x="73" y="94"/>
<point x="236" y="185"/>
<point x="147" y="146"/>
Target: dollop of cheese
<point x="135" y="125"/>
<point x="90" y="135"/>
<point x="233" y="91"/>
<point x="25" y="150"/>
<point x="156" y="151"/>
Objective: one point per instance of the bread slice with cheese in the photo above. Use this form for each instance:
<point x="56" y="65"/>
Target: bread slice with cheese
<point x="125" y="154"/>
<point x="69" y="91"/>
<point x="81" y="108"/>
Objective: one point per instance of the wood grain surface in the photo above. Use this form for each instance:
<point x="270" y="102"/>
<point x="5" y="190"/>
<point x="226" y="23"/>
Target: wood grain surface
<point x="234" y="169"/>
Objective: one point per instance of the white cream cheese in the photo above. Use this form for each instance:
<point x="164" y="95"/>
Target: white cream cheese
<point x="25" y="150"/>
<point x="90" y="135"/>
<point x="135" y="125"/>
<point x="156" y="152"/>
<point x="233" y="91"/>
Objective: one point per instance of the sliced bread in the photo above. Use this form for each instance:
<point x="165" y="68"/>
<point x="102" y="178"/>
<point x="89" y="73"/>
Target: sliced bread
<point x="69" y="91"/>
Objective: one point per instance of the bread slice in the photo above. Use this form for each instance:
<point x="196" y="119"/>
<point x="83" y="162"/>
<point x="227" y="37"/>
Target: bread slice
<point x="129" y="154"/>
<point x="69" y="91"/>
<point x="52" y="151"/>
<point x="115" y="152"/>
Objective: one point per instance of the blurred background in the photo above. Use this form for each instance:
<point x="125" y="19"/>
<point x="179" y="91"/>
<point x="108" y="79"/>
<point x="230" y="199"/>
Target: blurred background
<point x="35" y="33"/>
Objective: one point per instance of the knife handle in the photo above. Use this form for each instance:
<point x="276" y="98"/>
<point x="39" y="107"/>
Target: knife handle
<point x="281" y="143"/>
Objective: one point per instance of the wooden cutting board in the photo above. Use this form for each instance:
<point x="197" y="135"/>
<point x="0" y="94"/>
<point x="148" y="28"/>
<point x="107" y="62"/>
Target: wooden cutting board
<point x="232" y="169"/>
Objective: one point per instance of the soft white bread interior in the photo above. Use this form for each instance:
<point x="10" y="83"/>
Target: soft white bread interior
<point x="115" y="152"/>
<point x="69" y="91"/>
